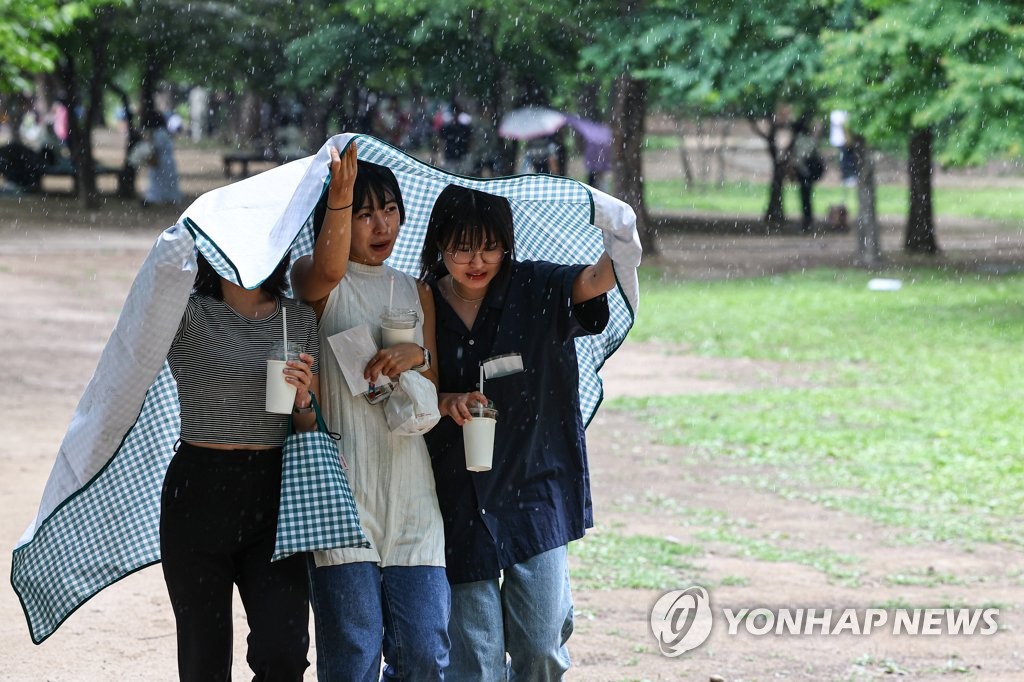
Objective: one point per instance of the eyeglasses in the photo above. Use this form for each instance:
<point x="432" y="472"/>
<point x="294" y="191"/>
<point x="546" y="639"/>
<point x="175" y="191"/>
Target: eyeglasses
<point x="465" y="256"/>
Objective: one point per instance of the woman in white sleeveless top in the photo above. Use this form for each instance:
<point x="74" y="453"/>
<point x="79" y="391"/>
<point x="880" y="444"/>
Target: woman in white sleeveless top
<point x="398" y="586"/>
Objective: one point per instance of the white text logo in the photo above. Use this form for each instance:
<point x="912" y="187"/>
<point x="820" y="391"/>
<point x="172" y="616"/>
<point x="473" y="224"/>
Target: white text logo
<point x="681" y="620"/>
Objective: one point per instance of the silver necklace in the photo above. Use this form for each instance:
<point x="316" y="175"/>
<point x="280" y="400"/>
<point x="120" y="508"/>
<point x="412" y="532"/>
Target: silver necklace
<point x="462" y="298"/>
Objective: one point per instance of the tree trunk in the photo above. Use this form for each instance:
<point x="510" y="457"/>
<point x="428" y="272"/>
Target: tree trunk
<point x="79" y="135"/>
<point x="150" y="78"/>
<point x="720" y="151"/>
<point x="315" y="117"/>
<point x="628" y="114"/>
<point x="920" y="236"/>
<point x="775" y="214"/>
<point x="126" y="178"/>
<point x="94" y="111"/>
<point x="688" y="178"/>
<point x="869" y="250"/>
<point x="249" y="121"/>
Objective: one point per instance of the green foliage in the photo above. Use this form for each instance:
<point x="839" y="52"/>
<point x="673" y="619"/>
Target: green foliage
<point x="219" y="43"/>
<point x="721" y="58"/>
<point x="746" y="198"/>
<point x="901" y="406"/>
<point x="955" y="67"/>
<point x="29" y="33"/>
<point x="456" y="47"/>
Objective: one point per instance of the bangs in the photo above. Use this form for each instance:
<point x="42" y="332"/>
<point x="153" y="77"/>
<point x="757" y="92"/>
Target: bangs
<point x="475" y="235"/>
<point x="373" y="195"/>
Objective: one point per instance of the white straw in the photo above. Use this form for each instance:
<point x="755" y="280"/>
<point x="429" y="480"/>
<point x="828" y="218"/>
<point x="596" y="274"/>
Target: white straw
<point x="391" y="293"/>
<point x="481" y="377"/>
<point x="284" y="323"/>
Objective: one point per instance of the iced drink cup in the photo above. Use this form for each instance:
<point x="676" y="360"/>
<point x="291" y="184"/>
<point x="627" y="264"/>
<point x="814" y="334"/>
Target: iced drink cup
<point x="478" y="437"/>
<point x="280" y="394"/>
<point x="398" y="325"/>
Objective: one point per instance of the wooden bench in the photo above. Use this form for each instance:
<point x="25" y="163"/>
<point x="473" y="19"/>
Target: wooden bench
<point x="243" y="159"/>
<point x="64" y="169"/>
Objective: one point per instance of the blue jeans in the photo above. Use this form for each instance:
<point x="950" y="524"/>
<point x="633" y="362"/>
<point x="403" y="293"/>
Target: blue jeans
<point x="529" y="615"/>
<point x="361" y="610"/>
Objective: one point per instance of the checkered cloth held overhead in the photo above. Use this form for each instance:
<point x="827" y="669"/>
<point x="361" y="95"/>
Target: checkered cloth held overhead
<point x="99" y="516"/>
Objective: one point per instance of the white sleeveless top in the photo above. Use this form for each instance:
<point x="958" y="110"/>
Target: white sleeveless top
<point x="391" y="476"/>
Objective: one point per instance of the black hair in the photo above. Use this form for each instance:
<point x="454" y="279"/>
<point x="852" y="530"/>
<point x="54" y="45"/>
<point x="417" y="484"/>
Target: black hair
<point x="463" y="216"/>
<point x="374" y="182"/>
<point x="208" y="281"/>
<point x="153" y="119"/>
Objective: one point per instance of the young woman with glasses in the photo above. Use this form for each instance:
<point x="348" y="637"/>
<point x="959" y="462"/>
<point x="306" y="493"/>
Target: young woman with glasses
<point x="515" y="521"/>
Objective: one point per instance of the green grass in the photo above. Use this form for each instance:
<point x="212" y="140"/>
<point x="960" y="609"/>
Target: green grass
<point x="606" y="559"/>
<point x="911" y="411"/>
<point x="746" y="198"/>
<point x="838" y="567"/>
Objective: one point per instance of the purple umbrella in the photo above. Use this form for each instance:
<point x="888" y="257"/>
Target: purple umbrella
<point x="597" y="150"/>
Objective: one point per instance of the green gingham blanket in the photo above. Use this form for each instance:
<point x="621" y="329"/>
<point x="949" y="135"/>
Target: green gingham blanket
<point x="98" y="520"/>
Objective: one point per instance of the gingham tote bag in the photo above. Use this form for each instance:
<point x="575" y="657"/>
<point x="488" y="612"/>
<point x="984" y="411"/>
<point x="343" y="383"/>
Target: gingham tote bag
<point x="317" y="510"/>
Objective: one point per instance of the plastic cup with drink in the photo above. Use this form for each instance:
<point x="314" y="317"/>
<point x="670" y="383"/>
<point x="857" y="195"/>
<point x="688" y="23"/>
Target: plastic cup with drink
<point x="478" y="437"/>
<point x="478" y="433"/>
<point x="398" y="325"/>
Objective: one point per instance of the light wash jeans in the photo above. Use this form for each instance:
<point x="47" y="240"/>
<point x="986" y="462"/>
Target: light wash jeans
<point x="361" y="610"/>
<point x="528" y="614"/>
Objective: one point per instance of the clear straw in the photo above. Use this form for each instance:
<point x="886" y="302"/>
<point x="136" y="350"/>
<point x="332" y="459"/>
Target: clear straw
<point x="481" y="377"/>
<point x="391" y="293"/>
<point x="284" y="323"/>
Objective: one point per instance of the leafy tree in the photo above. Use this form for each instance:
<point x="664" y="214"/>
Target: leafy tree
<point x="500" y="54"/>
<point x="216" y="43"/>
<point x="34" y="37"/>
<point x="746" y="60"/>
<point x="947" y="80"/>
<point x="28" y="31"/>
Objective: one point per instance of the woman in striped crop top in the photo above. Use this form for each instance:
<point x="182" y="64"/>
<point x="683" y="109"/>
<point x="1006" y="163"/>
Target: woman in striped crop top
<point x="218" y="510"/>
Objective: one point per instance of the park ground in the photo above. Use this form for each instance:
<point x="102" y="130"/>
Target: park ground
<point x="65" y="273"/>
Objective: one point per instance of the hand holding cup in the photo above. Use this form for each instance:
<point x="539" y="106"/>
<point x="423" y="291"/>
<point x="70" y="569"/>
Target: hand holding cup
<point x="457" y="405"/>
<point x="478" y="436"/>
<point x="284" y="375"/>
<point x="300" y="373"/>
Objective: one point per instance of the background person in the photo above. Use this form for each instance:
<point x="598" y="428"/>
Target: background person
<point x="218" y="508"/>
<point x="163" y="172"/>
<point x="393" y="597"/>
<point x="839" y="137"/>
<point x="507" y="530"/>
<point x="808" y="167"/>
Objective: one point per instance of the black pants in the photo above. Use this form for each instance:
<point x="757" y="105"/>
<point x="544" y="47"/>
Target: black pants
<point x="806" y="189"/>
<point x="218" y="519"/>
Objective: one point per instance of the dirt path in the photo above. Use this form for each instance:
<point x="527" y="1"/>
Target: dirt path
<point x="64" y="283"/>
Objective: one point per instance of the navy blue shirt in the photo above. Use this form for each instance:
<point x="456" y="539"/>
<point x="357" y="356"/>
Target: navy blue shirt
<point x="537" y="494"/>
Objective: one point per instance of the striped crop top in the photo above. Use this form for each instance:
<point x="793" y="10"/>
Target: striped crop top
<point x="219" y="359"/>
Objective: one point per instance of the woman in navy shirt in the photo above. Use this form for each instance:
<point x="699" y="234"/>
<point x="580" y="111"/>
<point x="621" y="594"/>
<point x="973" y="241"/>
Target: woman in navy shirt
<point x="516" y="520"/>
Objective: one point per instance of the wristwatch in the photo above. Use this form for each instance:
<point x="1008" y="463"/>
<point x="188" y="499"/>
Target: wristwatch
<point x="426" y="361"/>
